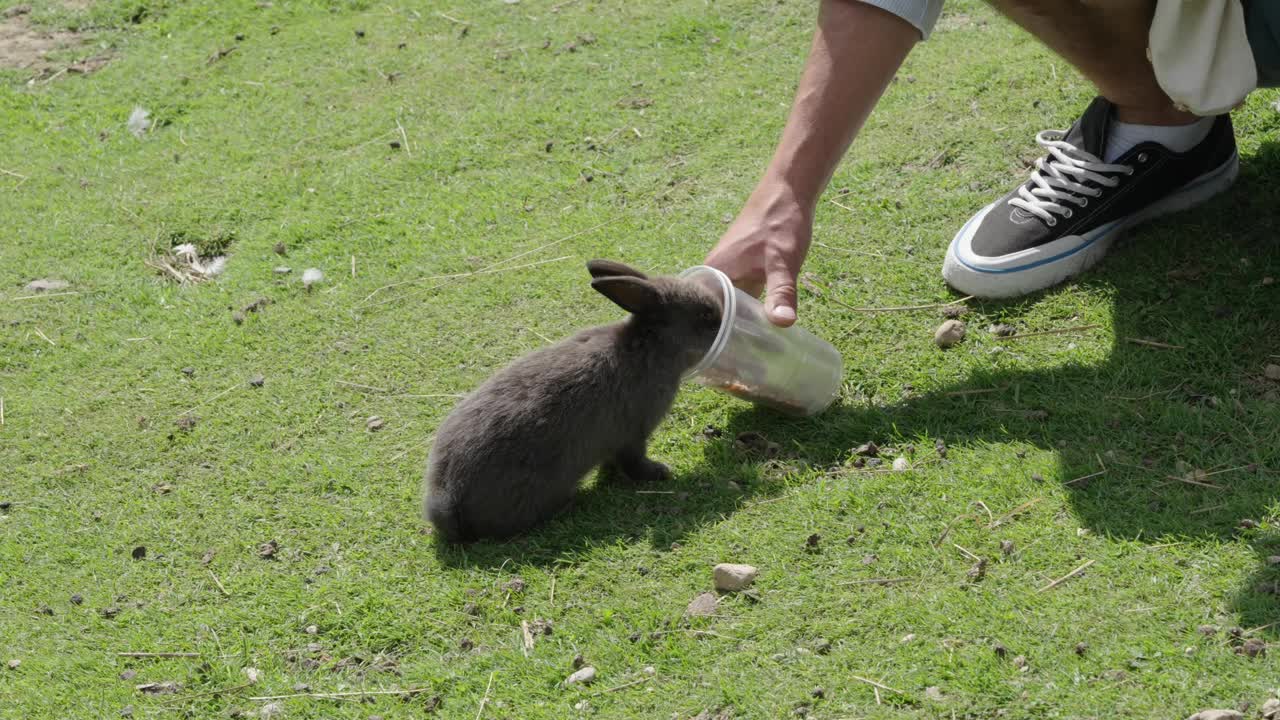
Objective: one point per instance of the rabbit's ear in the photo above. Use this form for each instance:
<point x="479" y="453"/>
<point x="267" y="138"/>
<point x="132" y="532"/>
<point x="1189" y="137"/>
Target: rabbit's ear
<point x="630" y="293"/>
<point x="609" y="268"/>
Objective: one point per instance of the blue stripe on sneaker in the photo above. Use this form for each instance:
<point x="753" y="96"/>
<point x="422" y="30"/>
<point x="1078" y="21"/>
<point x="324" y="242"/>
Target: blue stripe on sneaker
<point x="1093" y="237"/>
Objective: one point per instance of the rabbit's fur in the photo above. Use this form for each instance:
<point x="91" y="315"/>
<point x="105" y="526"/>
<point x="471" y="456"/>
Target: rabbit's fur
<point x="512" y="453"/>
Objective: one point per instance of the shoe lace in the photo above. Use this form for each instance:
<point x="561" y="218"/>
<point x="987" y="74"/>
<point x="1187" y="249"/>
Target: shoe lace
<point x="1059" y="178"/>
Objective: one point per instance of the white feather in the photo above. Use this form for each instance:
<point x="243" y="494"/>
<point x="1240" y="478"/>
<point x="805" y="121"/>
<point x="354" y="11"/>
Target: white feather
<point x="311" y="276"/>
<point x="216" y="266"/>
<point x="139" y="121"/>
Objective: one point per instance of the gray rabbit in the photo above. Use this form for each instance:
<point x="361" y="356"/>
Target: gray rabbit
<point x="511" y="454"/>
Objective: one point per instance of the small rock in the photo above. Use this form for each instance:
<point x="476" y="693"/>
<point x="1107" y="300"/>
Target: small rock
<point x="908" y="639"/>
<point x="1271" y="709"/>
<point x="949" y="333"/>
<point x="1253" y="647"/>
<point x="188" y="371"/>
<point x="702" y="606"/>
<point x="187" y="423"/>
<point x="578" y="661"/>
<point x="1208" y="630"/>
<point x="282" y="270"/>
<point x="1272" y="372"/>
<point x="267" y="550"/>
<point x="1003" y="330"/>
<point x="47" y="285"/>
<point x="257" y="380"/>
<point x="900" y="464"/>
<point x="1248" y="524"/>
<point x="271" y="710"/>
<point x="731" y="578"/>
<point x="76" y="599"/>
<point x="934" y="693"/>
<point x="14" y="664"/>
<point x="585" y="676"/>
<point x="109" y="612"/>
<point x="1081" y="649"/>
<point x="126" y="711"/>
<point x="979" y="570"/>
<point x="951" y="312"/>
<point x="1021" y="663"/>
<point x="869" y="559"/>
<point x="374" y="424"/>
<point x="1268" y="280"/>
<point x="1037" y="477"/>
<point x="822" y="646"/>
<point x="312" y="630"/>
<point x="159" y="688"/>
<point x="867" y="449"/>
<point x="1006" y="547"/>
<point x="139" y="553"/>
<point x="128" y="675"/>
<point x="818" y="693"/>
<point x="280" y="249"/>
<point x="1273" y="560"/>
<point x="238" y="317"/>
<point x="1217" y="715"/>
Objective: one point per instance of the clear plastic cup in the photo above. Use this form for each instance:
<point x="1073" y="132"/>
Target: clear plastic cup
<point x="788" y="369"/>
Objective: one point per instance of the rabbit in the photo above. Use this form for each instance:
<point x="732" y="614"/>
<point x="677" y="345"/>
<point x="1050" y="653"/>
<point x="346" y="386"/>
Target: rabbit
<point x="512" y="453"/>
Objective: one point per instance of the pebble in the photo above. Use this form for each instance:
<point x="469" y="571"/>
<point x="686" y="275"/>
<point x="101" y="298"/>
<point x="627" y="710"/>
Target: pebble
<point x="585" y="676"/>
<point x="14" y="663"/>
<point x="313" y="630"/>
<point x="1217" y="715"/>
<point x="731" y="578"/>
<point x="703" y="605"/>
<point x="374" y="423"/>
<point x="1272" y="371"/>
<point x="934" y="693"/>
<point x="1271" y="709"/>
<point x="900" y="464"/>
<point x="908" y="639"/>
<point x="949" y="333"/>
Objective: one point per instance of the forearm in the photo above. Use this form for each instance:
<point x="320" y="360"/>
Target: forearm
<point x="855" y="53"/>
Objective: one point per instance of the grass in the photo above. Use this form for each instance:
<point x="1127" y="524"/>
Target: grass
<point x="523" y="124"/>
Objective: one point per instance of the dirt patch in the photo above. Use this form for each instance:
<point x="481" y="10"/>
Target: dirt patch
<point x="23" y="47"/>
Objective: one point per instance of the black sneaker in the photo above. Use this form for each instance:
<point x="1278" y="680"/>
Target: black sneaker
<point x="1065" y="218"/>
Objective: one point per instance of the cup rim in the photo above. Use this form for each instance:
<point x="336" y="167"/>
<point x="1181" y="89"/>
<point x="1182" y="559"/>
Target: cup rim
<point x="727" y="316"/>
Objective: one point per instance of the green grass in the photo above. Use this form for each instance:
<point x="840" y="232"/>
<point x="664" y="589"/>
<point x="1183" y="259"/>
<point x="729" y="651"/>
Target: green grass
<point x="286" y="140"/>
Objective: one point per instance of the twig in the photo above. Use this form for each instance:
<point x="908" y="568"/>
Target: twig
<point x="876" y="690"/>
<point x="1085" y="477"/>
<point x="655" y="492"/>
<point x="206" y="402"/>
<point x="1189" y="481"/>
<point x="979" y="391"/>
<point x="44" y="295"/>
<point x="624" y="686"/>
<point x="353" y="693"/>
<point x="45" y="337"/>
<point x="1079" y="328"/>
<point x="1154" y="344"/>
<point x="947" y="530"/>
<point x="405" y="137"/>
<point x="1013" y="513"/>
<point x="158" y="654"/>
<point x="1211" y="508"/>
<point x="353" y="267"/>
<point x="968" y="553"/>
<point x="1" y="411"/>
<point x="452" y="19"/>
<point x="528" y="637"/>
<point x="485" y="700"/>
<point x="904" y="308"/>
<point x="552" y="601"/>
<point x="1227" y="470"/>
<point x="840" y="205"/>
<point x="13" y="174"/>
<point x="370" y="388"/>
<point x="876" y="581"/>
<point x="1066" y="577"/>
<point x="990" y="517"/>
<point x="218" y="582"/>
<point x="875" y="684"/>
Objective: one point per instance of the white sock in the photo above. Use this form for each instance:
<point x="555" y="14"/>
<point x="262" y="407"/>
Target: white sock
<point x="1179" y="138"/>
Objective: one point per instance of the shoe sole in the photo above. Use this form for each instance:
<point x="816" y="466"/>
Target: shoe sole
<point x="1043" y="267"/>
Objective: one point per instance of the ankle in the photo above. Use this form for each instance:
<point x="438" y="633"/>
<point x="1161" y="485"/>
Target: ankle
<point x="1154" y="115"/>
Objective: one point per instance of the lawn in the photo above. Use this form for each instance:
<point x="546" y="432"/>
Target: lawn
<point x="157" y="501"/>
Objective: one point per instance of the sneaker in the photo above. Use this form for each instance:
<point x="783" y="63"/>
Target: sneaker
<point x="1065" y="218"/>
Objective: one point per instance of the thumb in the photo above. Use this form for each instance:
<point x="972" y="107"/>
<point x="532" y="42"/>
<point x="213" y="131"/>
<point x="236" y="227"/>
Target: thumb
<point x="780" y="298"/>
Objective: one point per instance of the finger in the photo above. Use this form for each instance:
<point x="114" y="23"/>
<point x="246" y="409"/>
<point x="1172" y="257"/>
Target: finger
<point x="780" y="299"/>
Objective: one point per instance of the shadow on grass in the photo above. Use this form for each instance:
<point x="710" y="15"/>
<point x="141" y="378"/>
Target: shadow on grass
<point x="1192" y="281"/>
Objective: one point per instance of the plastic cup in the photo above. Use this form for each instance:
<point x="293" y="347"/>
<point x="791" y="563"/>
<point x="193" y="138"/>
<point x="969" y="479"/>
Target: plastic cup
<point x="788" y="369"/>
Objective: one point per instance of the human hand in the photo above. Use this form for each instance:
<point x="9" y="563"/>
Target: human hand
<point x="763" y="251"/>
